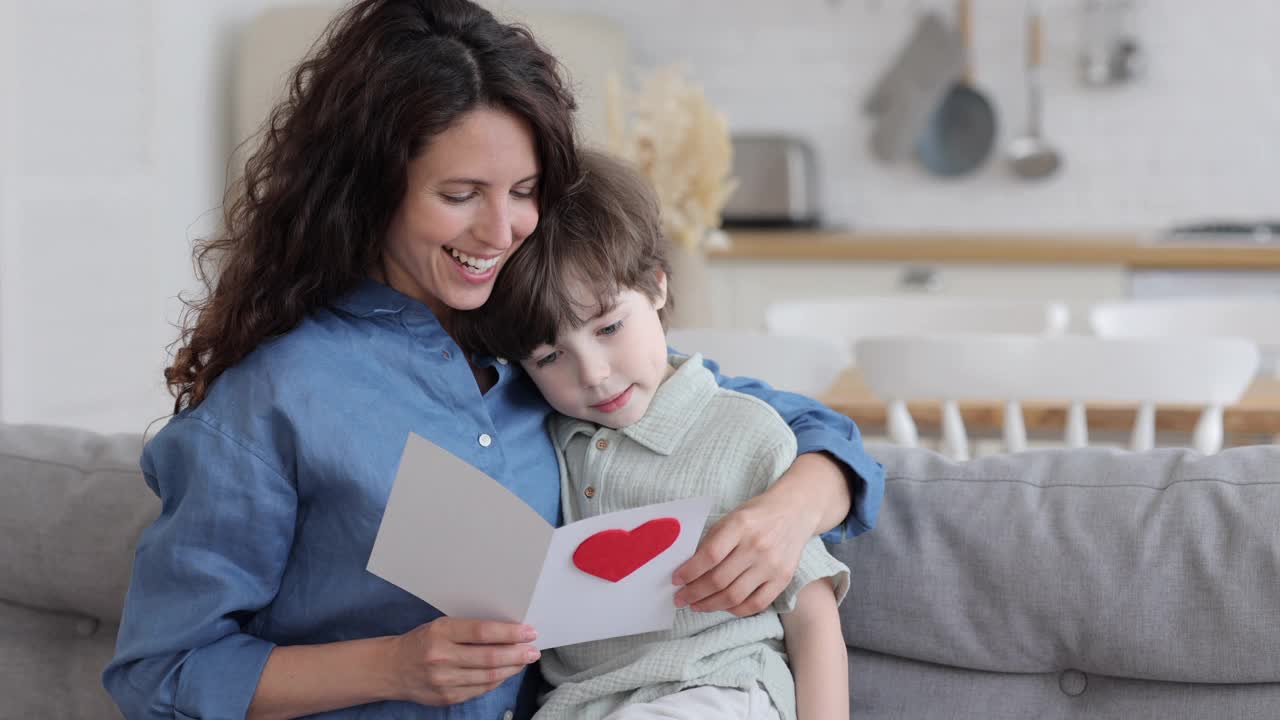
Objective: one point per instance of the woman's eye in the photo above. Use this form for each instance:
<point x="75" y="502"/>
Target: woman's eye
<point x="611" y="329"/>
<point x="547" y="359"/>
<point x="523" y="193"/>
<point x="457" y="199"/>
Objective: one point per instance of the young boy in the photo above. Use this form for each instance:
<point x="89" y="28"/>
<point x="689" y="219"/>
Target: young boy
<point x="584" y="311"/>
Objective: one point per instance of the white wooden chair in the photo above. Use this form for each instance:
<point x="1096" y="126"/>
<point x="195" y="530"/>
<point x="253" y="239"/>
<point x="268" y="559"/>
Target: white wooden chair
<point x="852" y="318"/>
<point x="1204" y="372"/>
<point x="1254" y="318"/>
<point x="801" y="364"/>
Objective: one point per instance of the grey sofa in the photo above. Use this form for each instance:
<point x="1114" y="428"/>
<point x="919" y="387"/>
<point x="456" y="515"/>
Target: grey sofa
<point x="1053" y="584"/>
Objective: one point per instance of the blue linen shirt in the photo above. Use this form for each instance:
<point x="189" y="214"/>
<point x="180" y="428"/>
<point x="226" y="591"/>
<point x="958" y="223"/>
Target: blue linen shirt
<point x="272" y="490"/>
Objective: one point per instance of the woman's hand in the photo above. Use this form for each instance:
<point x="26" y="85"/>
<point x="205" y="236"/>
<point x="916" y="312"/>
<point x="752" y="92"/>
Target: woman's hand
<point x="449" y="660"/>
<point x="746" y="560"/>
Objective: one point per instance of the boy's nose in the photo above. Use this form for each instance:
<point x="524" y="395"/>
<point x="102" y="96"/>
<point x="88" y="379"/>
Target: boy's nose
<point x="594" y="373"/>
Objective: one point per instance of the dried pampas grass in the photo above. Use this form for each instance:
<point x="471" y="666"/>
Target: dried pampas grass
<point x="681" y="143"/>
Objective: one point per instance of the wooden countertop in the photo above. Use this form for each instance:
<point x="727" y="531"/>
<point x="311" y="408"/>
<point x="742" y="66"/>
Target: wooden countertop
<point x="1254" y="419"/>
<point x="1130" y="250"/>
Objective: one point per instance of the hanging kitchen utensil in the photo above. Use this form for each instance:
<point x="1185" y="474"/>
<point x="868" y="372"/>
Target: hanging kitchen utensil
<point x="1029" y="155"/>
<point x="905" y="95"/>
<point x="962" y="130"/>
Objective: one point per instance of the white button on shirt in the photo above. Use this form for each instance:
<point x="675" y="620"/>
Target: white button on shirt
<point x="508" y="715"/>
<point x="502" y="361"/>
<point x="485" y="440"/>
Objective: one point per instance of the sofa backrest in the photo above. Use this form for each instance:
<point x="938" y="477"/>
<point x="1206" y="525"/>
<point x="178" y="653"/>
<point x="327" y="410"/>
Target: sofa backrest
<point x="72" y="504"/>
<point x="1054" y="584"/>
<point x="1090" y="583"/>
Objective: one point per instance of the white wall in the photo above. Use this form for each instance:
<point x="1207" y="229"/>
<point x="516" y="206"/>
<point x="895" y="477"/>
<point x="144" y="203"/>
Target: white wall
<point x="1199" y="136"/>
<point x="114" y="130"/>
<point x="111" y="166"/>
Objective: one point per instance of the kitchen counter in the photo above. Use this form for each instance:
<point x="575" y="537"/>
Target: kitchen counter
<point x="1129" y="250"/>
<point x="1256" y="418"/>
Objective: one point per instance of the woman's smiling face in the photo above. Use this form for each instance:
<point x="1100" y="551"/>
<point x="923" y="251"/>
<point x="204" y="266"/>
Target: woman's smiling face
<point x="471" y="199"/>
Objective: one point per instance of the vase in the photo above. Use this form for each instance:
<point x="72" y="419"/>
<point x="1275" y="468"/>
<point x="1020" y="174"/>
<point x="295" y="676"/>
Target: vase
<point x="690" y="287"/>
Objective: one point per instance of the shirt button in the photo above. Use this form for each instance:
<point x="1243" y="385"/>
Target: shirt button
<point x="589" y="492"/>
<point x="485" y="440"/>
<point x="602" y="444"/>
<point x="503" y="361"/>
<point x="444" y="354"/>
<point x="86" y="627"/>
<point x="508" y="715"/>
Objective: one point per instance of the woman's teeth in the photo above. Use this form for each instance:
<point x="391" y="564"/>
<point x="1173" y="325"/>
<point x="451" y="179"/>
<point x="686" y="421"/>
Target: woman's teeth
<point x="473" y="263"/>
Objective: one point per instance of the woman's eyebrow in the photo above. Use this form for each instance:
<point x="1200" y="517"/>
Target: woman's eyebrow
<point x="483" y="183"/>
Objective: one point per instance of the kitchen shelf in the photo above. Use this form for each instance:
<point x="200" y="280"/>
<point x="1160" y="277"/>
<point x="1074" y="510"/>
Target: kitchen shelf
<point x="1130" y="250"/>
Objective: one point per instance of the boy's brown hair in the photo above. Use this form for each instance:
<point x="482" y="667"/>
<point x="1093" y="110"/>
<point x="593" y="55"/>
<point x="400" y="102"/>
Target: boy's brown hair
<point x="605" y="234"/>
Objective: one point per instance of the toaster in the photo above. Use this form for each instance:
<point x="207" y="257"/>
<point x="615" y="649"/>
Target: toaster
<point x="777" y="183"/>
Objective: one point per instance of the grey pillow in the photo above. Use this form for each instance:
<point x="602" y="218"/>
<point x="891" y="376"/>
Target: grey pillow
<point x="72" y="504"/>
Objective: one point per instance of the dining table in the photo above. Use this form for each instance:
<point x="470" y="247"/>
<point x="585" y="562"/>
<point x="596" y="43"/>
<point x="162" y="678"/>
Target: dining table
<point x="1255" y="419"/>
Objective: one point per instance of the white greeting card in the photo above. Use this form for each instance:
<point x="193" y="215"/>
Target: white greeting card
<point x="459" y="540"/>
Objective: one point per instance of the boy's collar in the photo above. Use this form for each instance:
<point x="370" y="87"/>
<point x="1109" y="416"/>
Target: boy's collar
<point x="674" y="409"/>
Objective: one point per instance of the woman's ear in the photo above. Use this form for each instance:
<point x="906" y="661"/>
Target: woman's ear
<point x="661" y="301"/>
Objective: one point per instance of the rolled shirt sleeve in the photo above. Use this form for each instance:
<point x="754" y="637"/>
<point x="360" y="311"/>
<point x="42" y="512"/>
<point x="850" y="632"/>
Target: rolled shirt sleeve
<point x="815" y="563"/>
<point x="820" y="429"/>
<point x="208" y="563"/>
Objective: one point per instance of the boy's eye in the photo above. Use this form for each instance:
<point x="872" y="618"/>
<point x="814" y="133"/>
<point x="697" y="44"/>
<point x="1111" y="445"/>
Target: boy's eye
<point x="546" y="359"/>
<point x="611" y="329"/>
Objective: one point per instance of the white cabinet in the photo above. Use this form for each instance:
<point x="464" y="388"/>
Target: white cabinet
<point x="741" y="289"/>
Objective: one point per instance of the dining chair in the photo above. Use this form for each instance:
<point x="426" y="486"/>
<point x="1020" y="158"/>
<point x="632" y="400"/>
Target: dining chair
<point x="852" y="318"/>
<point x="1209" y="373"/>
<point x="801" y="364"/>
<point x="1254" y="318"/>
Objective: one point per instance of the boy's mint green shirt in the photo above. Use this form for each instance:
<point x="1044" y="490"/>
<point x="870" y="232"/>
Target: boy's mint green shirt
<point x="695" y="439"/>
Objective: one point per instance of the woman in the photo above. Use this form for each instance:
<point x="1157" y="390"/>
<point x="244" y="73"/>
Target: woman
<point x="413" y="156"/>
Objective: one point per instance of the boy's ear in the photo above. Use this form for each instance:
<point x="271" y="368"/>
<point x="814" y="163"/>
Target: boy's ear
<point x="661" y="301"/>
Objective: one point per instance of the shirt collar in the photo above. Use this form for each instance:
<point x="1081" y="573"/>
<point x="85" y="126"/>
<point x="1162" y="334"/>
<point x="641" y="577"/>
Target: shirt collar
<point x="370" y="297"/>
<point x="671" y="414"/>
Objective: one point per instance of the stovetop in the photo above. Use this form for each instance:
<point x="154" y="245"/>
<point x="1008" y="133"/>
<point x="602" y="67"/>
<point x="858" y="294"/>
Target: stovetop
<point x="1226" y="231"/>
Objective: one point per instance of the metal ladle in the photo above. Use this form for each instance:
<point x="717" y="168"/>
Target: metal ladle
<point x="1029" y="155"/>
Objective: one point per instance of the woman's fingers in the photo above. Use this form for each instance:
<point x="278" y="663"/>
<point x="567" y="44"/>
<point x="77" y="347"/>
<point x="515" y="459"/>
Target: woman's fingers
<point x="755" y="596"/>
<point x="492" y="656"/>
<point x="450" y="660"/>
<point x="716" y="580"/>
<point x="457" y="677"/>
<point x="487" y="632"/>
<point x="719" y="543"/>
<point x="457" y="693"/>
<point x="481" y="644"/>
<point x="743" y="563"/>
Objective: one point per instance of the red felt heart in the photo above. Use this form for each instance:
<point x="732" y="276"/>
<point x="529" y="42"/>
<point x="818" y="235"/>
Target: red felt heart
<point x="615" y="554"/>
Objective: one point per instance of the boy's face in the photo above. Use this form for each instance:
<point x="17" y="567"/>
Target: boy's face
<point x="608" y="370"/>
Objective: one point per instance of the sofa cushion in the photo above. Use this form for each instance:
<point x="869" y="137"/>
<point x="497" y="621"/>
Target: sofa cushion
<point x="51" y="664"/>
<point x="72" y="505"/>
<point x="883" y="687"/>
<point x="1161" y="566"/>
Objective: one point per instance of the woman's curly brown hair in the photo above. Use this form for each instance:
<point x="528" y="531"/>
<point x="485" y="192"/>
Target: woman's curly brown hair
<point x="307" y="219"/>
